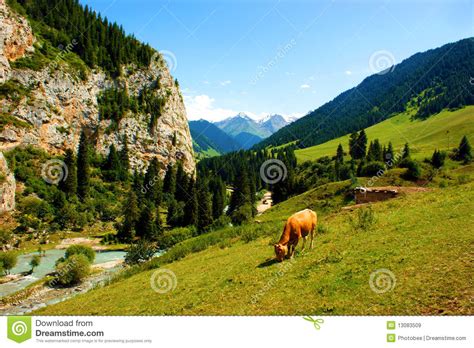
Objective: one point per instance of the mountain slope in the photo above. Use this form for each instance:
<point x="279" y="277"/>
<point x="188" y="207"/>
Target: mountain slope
<point x="208" y="136"/>
<point x="433" y="80"/>
<point x="246" y="140"/>
<point x="273" y="123"/>
<point x="242" y="123"/>
<point x="442" y="131"/>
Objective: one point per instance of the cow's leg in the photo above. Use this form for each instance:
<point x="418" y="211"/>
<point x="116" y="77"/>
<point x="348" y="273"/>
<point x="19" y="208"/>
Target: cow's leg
<point x="311" y="236"/>
<point x="304" y="241"/>
<point x="293" y="250"/>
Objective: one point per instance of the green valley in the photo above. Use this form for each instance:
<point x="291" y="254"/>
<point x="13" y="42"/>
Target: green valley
<point x="441" y="131"/>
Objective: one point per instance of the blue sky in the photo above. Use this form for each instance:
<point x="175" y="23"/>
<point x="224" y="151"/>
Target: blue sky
<point x="286" y="57"/>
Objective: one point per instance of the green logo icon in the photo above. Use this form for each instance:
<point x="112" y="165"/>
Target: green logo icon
<point x="390" y="337"/>
<point x="316" y="322"/>
<point x="390" y="325"/>
<point x="19" y="328"/>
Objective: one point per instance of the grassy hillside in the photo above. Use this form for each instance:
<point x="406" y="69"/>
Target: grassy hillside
<point x="422" y="238"/>
<point x="422" y="135"/>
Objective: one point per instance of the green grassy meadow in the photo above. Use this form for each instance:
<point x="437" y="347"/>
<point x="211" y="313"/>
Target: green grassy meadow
<point x="423" y="135"/>
<point x="423" y="238"/>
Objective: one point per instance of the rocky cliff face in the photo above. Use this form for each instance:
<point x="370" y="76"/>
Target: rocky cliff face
<point x="16" y="39"/>
<point x="59" y="101"/>
<point x="7" y="186"/>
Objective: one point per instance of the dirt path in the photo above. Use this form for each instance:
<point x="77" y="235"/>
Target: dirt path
<point x="265" y="203"/>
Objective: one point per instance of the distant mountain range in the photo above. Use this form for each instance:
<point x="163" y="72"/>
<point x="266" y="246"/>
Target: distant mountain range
<point x="210" y="140"/>
<point x="234" y="133"/>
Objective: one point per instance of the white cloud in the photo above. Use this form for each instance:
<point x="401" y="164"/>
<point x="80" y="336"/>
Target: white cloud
<point x="225" y="83"/>
<point x="348" y="72"/>
<point x="305" y="86"/>
<point x="202" y="106"/>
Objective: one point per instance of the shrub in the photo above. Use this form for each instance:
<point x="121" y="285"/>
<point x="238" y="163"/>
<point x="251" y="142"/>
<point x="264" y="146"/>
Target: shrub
<point x="463" y="179"/>
<point x="372" y="169"/>
<point x="176" y="235"/>
<point x="221" y="222"/>
<point x="140" y="252"/>
<point x="249" y="234"/>
<point x="5" y="236"/>
<point x="36" y="207"/>
<point x="109" y="238"/>
<point x="322" y="229"/>
<point x="437" y="160"/>
<point x="242" y="214"/>
<point x="8" y="260"/>
<point x="80" y="250"/>
<point x="413" y="169"/>
<point x="345" y="172"/>
<point x="34" y="262"/>
<point x="364" y="220"/>
<point x="72" y="270"/>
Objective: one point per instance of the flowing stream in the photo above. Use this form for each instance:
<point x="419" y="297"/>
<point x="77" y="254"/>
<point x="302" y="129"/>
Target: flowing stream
<point x="46" y="266"/>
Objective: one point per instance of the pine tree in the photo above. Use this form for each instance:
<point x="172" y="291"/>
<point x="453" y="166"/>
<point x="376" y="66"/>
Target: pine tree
<point x="377" y="151"/>
<point x="464" y="150"/>
<point x="353" y="145"/>
<point x="360" y="167"/>
<point x="339" y="162"/>
<point x="361" y="144"/>
<point x="218" y="197"/>
<point x="340" y="154"/>
<point x="113" y="165"/>
<point x="169" y="182"/>
<point x="370" y="152"/>
<point x="83" y="170"/>
<point x="191" y="206"/>
<point x="158" y="222"/>
<point x="131" y="214"/>
<point x="253" y="192"/>
<point x="241" y="191"/>
<point x="406" y="151"/>
<point x="125" y="161"/>
<point x="181" y="183"/>
<point x="389" y="155"/>
<point x="437" y="159"/>
<point x="172" y="211"/>
<point x="152" y="185"/>
<point x="146" y="224"/>
<point x="204" y="205"/>
<point x="175" y="215"/>
<point x="69" y="184"/>
<point x="137" y="186"/>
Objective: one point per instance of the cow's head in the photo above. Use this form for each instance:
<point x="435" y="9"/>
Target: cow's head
<point x="280" y="251"/>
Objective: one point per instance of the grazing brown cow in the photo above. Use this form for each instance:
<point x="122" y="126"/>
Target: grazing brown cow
<point x="298" y="225"/>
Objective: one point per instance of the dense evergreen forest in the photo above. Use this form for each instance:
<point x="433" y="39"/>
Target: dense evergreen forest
<point x="99" y="42"/>
<point x="430" y="81"/>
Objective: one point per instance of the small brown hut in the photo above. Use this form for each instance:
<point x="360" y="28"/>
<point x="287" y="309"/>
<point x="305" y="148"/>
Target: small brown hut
<point x="374" y="194"/>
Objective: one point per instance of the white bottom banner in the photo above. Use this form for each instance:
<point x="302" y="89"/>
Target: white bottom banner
<point x="237" y="331"/>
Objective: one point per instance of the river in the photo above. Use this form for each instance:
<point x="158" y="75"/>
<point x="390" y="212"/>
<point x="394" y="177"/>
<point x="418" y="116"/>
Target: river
<point x="46" y="266"/>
